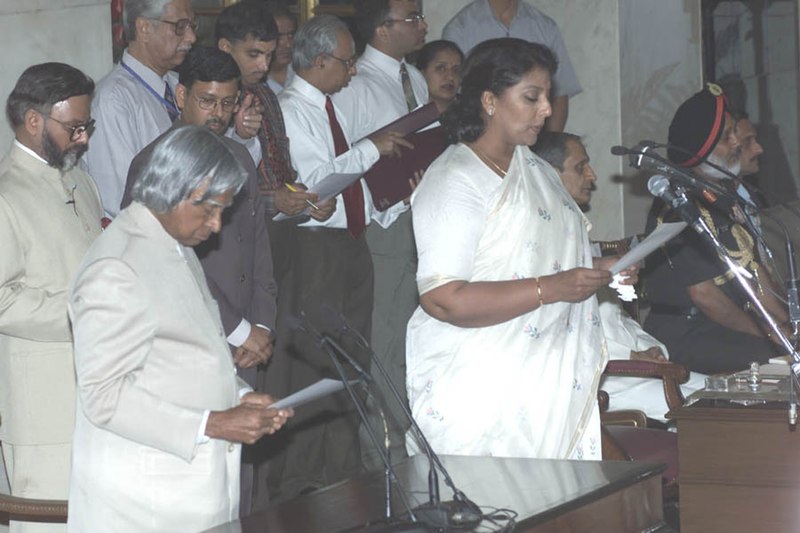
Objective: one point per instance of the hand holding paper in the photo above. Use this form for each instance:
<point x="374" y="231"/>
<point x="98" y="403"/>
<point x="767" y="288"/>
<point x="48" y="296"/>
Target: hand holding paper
<point x="661" y="235"/>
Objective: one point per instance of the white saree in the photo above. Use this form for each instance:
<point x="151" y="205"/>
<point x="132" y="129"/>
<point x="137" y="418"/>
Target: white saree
<point x="526" y="387"/>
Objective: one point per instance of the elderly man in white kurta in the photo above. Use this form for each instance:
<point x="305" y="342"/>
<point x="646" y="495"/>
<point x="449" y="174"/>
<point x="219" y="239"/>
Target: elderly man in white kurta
<point x="49" y="215"/>
<point x="161" y="411"/>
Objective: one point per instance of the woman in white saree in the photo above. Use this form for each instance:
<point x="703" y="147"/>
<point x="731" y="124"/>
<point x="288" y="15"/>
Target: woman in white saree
<point x="506" y="349"/>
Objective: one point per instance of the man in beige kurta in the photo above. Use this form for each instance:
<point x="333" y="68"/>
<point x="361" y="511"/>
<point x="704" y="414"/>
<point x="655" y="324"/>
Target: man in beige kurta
<point x="49" y="215"/>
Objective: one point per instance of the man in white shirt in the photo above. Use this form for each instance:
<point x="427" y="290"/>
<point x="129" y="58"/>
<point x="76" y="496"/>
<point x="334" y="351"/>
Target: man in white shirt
<point x="332" y="262"/>
<point x="482" y="20"/>
<point x="49" y="215"/>
<point x="135" y="102"/>
<point x="380" y="94"/>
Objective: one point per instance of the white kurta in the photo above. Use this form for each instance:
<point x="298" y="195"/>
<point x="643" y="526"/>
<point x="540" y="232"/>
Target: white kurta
<point x="526" y="387"/>
<point x="150" y="358"/>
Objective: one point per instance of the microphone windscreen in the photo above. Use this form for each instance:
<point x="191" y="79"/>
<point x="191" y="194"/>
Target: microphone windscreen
<point x="619" y="150"/>
<point x="657" y="185"/>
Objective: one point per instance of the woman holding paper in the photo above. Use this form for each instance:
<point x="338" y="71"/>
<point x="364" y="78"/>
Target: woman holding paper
<point x="506" y="349"/>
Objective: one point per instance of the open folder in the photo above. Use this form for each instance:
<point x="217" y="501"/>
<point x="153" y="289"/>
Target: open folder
<point x="413" y="121"/>
<point x="388" y="178"/>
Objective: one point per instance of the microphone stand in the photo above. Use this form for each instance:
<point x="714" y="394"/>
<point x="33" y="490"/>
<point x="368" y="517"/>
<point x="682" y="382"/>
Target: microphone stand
<point x="636" y="160"/>
<point x="332" y="348"/>
<point x="702" y="228"/>
<point x="461" y="512"/>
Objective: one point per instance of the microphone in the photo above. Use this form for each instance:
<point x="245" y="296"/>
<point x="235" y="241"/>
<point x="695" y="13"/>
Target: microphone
<point x="619" y="150"/>
<point x="642" y="156"/>
<point x="334" y="320"/>
<point x="660" y="187"/>
<point x="461" y="512"/>
<point x="334" y="351"/>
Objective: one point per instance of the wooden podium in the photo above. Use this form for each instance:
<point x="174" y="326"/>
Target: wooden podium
<point x="548" y="495"/>
<point x="739" y="468"/>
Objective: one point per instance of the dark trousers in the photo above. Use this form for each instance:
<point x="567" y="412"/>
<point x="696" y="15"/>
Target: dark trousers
<point x="319" y="446"/>
<point x="707" y="347"/>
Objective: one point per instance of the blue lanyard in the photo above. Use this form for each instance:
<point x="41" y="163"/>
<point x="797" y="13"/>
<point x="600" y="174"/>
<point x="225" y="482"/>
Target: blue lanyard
<point x="170" y="107"/>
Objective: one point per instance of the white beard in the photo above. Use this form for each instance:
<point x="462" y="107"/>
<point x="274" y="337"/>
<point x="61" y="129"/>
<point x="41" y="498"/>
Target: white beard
<point x="712" y="172"/>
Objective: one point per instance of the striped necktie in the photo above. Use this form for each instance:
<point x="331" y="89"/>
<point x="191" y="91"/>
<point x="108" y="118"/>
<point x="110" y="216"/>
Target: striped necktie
<point x="172" y="109"/>
<point x="408" y="91"/>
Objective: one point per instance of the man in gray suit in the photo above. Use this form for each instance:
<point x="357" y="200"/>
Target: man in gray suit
<point x="237" y="261"/>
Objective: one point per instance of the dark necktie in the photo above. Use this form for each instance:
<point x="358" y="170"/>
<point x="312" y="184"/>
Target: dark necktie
<point x="408" y="91"/>
<point x="172" y="109"/>
<point x="353" y="195"/>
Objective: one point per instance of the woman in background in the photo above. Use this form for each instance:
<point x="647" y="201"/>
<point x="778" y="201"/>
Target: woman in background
<point x="440" y="63"/>
<point x="505" y="352"/>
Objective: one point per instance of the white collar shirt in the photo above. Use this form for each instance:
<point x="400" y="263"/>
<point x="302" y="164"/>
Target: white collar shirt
<point x="128" y="118"/>
<point x="375" y="95"/>
<point x="313" y="154"/>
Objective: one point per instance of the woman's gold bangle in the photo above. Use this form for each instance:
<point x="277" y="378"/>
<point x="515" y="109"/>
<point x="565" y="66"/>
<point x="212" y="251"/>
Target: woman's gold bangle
<point x="539" y="292"/>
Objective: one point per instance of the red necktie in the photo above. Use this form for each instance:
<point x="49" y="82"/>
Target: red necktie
<point x="353" y="195"/>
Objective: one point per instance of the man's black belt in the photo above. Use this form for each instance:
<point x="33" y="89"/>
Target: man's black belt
<point x="675" y="310"/>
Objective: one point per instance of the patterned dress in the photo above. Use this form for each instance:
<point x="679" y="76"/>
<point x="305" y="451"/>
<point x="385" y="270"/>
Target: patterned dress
<point x="526" y="387"/>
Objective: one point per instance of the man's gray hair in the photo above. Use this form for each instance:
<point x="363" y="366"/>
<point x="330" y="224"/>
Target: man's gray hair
<point x="316" y="37"/>
<point x="184" y="160"/>
<point x="149" y="9"/>
<point x="552" y="147"/>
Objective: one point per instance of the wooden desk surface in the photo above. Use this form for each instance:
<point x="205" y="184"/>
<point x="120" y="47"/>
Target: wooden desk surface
<point x="548" y="495"/>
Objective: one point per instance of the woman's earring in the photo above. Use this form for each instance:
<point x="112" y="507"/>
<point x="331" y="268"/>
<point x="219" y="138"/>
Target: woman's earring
<point x="490" y="111"/>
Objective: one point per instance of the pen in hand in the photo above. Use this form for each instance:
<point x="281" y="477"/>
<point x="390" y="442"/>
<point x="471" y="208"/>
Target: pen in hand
<point x="309" y="202"/>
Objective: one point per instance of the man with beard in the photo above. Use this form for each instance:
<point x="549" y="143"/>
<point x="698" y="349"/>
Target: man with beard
<point x="698" y="309"/>
<point x="49" y="215"/>
<point x="135" y="102"/>
<point x="237" y="261"/>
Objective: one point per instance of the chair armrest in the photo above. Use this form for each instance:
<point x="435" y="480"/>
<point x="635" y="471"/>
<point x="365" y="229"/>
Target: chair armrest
<point x="602" y="401"/>
<point x="34" y="510"/>
<point x="671" y="375"/>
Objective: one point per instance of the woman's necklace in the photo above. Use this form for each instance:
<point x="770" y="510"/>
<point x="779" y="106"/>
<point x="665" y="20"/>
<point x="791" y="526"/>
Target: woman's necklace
<point x="494" y="166"/>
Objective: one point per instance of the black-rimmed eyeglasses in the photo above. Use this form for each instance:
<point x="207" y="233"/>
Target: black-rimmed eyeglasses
<point x="182" y="25"/>
<point x="77" y="131"/>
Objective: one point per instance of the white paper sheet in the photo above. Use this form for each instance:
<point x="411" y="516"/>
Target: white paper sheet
<point x="326" y="189"/>
<point x="659" y="236"/>
<point x="319" y="389"/>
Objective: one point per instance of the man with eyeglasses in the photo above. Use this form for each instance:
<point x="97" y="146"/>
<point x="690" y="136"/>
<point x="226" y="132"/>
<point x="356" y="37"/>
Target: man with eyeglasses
<point x="385" y="89"/>
<point x="332" y="263"/>
<point x="482" y="20"/>
<point x="237" y="261"/>
<point x="49" y="215"/>
<point x="135" y="102"/>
